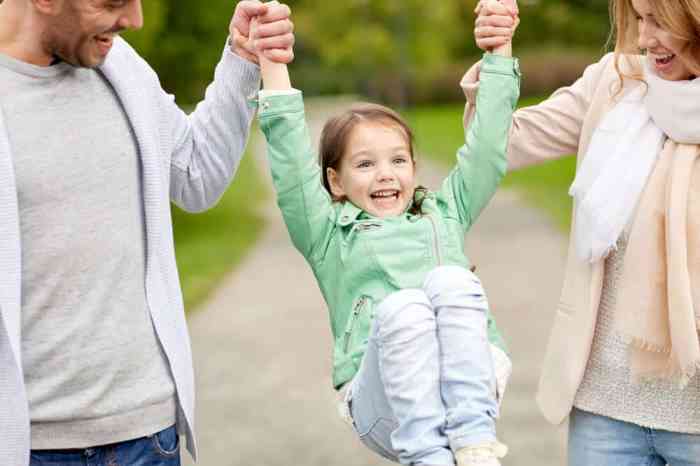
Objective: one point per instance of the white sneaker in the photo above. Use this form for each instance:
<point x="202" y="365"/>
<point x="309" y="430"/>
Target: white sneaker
<point x="485" y="454"/>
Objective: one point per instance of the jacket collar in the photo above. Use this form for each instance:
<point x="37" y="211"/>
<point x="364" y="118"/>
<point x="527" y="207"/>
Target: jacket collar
<point x="349" y="213"/>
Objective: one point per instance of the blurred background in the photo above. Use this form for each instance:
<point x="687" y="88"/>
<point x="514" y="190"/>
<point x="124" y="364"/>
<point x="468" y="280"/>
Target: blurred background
<point x="405" y="52"/>
<point x="409" y="54"/>
<point x="259" y="327"/>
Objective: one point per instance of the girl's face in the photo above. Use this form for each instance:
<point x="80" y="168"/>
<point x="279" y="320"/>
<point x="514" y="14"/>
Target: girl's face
<point x="376" y="172"/>
<point x="663" y="49"/>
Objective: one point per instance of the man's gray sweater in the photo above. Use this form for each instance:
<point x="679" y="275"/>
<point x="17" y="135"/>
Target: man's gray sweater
<point x="104" y="246"/>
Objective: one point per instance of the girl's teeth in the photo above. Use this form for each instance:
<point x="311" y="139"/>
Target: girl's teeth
<point x="385" y="194"/>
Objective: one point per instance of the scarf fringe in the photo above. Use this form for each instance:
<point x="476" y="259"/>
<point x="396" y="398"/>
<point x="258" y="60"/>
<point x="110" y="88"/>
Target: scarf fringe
<point x="681" y="377"/>
<point x="688" y="373"/>
<point x="637" y="342"/>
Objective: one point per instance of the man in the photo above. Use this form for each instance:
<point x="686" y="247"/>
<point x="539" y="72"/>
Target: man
<point x="95" y="363"/>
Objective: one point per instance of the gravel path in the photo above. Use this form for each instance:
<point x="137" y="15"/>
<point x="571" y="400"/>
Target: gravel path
<point x="262" y="343"/>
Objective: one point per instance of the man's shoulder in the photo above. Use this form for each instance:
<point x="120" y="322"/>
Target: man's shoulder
<point x="123" y="58"/>
<point x="124" y="66"/>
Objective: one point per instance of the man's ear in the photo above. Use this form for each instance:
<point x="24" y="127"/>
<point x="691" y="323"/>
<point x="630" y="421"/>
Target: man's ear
<point x="335" y="183"/>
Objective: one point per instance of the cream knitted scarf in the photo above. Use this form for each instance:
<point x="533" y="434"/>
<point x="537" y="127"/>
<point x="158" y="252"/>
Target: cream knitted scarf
<point x="631" y="169"/>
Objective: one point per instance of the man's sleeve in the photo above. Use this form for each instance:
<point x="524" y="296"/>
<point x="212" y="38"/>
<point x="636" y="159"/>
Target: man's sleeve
<point x="207" y="145"/>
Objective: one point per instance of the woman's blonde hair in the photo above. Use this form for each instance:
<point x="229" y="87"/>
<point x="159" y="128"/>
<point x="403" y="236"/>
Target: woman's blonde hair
<point x="680" y="17"/>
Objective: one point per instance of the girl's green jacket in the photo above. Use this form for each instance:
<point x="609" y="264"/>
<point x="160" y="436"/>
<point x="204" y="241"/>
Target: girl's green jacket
<point x="359" y="259"/>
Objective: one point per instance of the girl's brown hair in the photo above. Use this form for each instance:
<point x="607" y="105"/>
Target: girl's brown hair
<point x="680" y="17"/>
<point x="337" y="130"/>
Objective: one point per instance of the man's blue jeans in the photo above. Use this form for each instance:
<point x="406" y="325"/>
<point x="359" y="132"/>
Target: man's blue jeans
<point x="160" y="449"/>
<point x="596" y="440"/>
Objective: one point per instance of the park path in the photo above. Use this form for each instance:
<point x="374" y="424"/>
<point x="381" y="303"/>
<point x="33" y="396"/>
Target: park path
<point x="262" y="342"/>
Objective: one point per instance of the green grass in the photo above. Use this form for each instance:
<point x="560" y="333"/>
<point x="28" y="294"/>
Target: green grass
<point x="208" y="245"/>
<point x="439" y="133"/>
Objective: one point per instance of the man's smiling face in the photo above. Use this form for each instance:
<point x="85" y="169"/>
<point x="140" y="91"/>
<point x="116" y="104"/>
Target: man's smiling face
<point x="81" y="32"/>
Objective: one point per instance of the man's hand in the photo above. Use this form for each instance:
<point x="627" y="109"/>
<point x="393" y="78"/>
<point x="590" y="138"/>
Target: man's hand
<point x="274" y="33"/>
<point x="496" y="23"/>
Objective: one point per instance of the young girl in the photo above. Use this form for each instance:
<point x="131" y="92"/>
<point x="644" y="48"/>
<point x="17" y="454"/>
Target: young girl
<point x="624" y="351"/>
<point x="408" y="317"/>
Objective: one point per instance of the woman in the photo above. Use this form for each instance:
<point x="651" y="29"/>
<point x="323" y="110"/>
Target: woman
<point x="623" y="353"/>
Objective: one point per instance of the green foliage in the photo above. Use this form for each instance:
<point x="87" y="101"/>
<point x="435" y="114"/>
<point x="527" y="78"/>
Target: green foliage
<point x="570" y="23"/>
<point x="376" y="44"/>
<point x="403" y="51"/>
<point x="398" y="51"/>
<point x="209" y="244"/>
<point x="146" y="40"/>
<point x="183" y="41"/>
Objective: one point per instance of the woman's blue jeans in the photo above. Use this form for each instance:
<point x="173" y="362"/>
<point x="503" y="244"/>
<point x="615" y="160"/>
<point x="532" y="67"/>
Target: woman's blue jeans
<point x="596" y="440"/>
<point x="160" y="449"/>
<point x="426" y="386"/>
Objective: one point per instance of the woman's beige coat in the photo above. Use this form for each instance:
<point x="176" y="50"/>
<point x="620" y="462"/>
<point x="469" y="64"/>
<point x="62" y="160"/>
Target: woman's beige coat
<point x="562" y="125"/>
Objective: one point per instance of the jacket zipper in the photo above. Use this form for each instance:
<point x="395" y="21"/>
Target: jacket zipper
<point x="435" y="240"/>
<point x="353" y="318"/>
<point x="367" y="226"/>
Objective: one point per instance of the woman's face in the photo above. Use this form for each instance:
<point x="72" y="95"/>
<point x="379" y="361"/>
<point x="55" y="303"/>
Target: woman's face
<point x="662" y="48"/>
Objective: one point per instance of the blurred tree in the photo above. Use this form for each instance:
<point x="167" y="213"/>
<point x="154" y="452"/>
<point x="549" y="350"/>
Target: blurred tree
<point x="374" y="42"/>
<point x="394" y="50"/>
<point x="183" y="41"/>
<point x="564" y="22"/>
<point x="146" y="40"/>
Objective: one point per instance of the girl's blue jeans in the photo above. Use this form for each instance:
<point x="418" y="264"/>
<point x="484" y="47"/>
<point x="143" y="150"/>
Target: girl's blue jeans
<point x="159" y="449"/>
<point x="596" y="440"/>
<point x="426" y="386"/>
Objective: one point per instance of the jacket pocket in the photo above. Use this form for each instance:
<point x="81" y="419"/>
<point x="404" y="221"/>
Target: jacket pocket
<point x="358" y="325"/>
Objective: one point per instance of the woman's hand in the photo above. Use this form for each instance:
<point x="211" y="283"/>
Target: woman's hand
<point x="495" y="24"/>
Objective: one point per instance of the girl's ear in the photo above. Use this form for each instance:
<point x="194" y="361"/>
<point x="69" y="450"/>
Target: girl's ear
<point x="335" y="183"/>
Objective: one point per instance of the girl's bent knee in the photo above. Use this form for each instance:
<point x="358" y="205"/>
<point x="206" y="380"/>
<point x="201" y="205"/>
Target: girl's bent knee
<point x="409" y="308"/>
<point x="451" y="277"/>
<point x="455" y="286"/>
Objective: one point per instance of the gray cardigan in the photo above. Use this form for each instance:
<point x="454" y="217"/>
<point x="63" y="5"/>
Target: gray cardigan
<point x="188" y="160"/>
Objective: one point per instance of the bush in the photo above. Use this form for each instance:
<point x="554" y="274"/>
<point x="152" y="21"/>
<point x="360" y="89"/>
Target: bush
<point x="543" y="71"/>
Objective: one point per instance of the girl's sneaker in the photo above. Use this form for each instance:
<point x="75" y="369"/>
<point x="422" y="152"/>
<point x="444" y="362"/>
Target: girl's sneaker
<point x="485" y="454"/>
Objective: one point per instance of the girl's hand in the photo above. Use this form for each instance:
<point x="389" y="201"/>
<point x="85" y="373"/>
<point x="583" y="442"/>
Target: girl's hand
<point x="495" y="24"/>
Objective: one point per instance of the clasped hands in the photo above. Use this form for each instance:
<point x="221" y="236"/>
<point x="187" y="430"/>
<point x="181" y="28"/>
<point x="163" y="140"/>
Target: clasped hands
<point x="495" y="23"/>
<point x="274" y="31"/>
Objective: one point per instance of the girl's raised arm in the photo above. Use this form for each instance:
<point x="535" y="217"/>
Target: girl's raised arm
<point x="306" y="206"/>
<point x="481" y="161"/>
<point x="542" y="132"/>
<point x="275" y="76"/>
